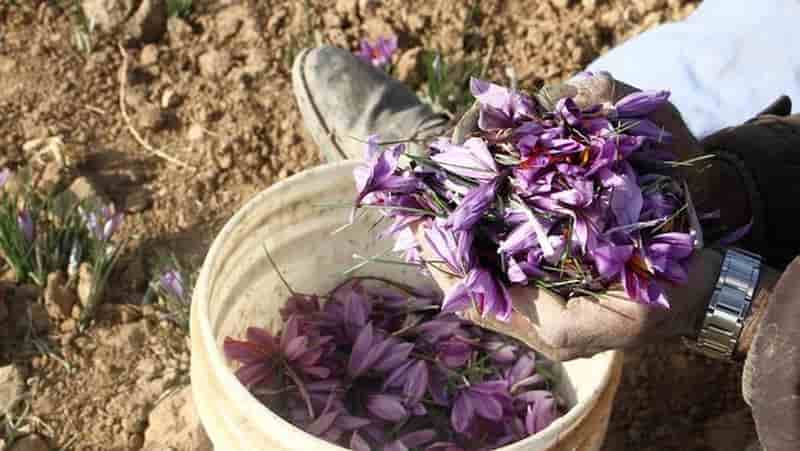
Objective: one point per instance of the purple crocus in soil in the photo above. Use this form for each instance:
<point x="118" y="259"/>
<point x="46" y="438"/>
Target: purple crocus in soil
<point x="26" y="225"/>
<point x="172" y="282"/>
<point x="103" y="222"/>
<point x="380" y="53"/>
<point x="5" y="174"/>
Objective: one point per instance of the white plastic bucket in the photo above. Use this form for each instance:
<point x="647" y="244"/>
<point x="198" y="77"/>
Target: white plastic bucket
<point x="238" y="288"/>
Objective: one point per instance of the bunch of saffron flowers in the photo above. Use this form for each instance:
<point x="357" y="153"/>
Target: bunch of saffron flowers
<point x="568" y="199"/>
<point x="378" y="366"/>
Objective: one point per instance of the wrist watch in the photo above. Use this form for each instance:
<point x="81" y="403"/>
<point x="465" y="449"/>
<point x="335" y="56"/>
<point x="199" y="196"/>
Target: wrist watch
<point x="729" y="305"/>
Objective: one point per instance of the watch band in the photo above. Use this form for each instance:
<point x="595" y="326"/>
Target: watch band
<point x="729" y="305"/>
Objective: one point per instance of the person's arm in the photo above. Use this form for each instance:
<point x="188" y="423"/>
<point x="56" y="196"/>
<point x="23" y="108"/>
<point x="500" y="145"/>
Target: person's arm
<point x="763" y="155"/>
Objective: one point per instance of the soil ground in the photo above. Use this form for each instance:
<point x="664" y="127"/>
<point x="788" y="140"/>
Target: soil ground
<point x="214" y="93"/>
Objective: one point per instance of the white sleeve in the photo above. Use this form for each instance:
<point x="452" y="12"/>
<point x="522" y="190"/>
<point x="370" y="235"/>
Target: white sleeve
<point x="723" y="64"/>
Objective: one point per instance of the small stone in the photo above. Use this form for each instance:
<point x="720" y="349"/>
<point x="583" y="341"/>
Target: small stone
<point x="107" y="14"/>
<point x="215" y="63"/>
<point x="83" y="189"/>
<point x="170" y="99"/>
<point x="31" y="442"/>
<point x="7" y="64"/>
<point x="589" y="5"/>
<point x="138" y="201"/>
<point x="131" y="336"/>
<point x="230" y="20"/>
<point x="347" y="7"/>
<point x="69" y="325"/>
<point x="376" y="27"/>
<point x="150" y="118"/>
<point x="85" y="282"/>
<point x="149" y="367"/>
<point x="149" y="23"/>
<point x="39" y="318"/>
<point x="58" y="297"/>
<point x="332" y="20"/>
<point x="195" y="132"/>
<point x="560" y="3"/>
<point x="174" y="423"/>
<point x="407" y="65"/>
<point x="12" y="386"/>
<point x="178" y="30"/>
<point x="149" y="55"/>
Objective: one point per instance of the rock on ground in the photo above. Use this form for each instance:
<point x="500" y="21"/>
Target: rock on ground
<point x="107" y="14"/>
<point x="149" y="23"/>
<point x="174" y="424"/>
<point x="12" y="385"/>
<point x="31" y="443"/>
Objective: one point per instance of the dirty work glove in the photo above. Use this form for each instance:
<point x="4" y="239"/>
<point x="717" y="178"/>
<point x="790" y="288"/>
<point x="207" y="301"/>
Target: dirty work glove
<point x="587" y="325"/>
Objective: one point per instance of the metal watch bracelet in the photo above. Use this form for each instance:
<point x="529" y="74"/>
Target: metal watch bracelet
<point x="729" y="305"/>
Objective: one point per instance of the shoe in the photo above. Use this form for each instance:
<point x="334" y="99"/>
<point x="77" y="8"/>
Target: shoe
<point x="344" y="100"/>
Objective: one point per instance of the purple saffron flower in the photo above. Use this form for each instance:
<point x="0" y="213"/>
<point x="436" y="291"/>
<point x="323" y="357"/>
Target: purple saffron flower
<point x="472" y="159"/>
<point x="626" y="196"/>
<point x="454" y="352"/>
<point x="26" y="225"/>
<point x="483" y="400"/>
<point x="488" y="294"/>
<point x="610" y="259"/>
<point x="666" y="254"/>
<point x="377" y="173"/>
<point x="454" y="247"/>
<point x="541" y="410"/>
<point x="473" y="206"/>
<point x="172" y="282"/>
<point x="500" y="107"/>
<point x="639" y="104"/>
<point x="387" y="407"/>
<point x="367" y="350"/>
<point x="103" y="222"/>
<point x="380" y="53"/>
<point x="5" y="174"/>
<point x="262" y="350"/>
<point x="569" y="111"/>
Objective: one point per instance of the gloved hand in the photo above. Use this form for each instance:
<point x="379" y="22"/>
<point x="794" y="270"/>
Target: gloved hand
<point x="587" y="325"/>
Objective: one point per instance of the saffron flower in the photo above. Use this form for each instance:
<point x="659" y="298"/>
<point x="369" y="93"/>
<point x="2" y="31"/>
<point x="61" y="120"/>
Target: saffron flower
<point x="26" y="226"/>
<point x="375" y="368"/>
<point x="172" y="282"/>
<point x="102" y="222"/>
<point x="574" y="199"/>
<point x="5" y="174"/>
<point x="380" y="53"/>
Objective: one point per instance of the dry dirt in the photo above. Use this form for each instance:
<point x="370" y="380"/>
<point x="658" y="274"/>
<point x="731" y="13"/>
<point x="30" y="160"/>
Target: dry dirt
<point x="214" y="94"/>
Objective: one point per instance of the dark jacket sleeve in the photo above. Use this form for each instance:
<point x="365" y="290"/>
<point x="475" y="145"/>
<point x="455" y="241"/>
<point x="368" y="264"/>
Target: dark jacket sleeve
<point x="766" y="153"/>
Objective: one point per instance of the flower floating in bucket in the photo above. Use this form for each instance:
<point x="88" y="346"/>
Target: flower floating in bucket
<point x="575" y="200"/>
<point x="377" y="366"/>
